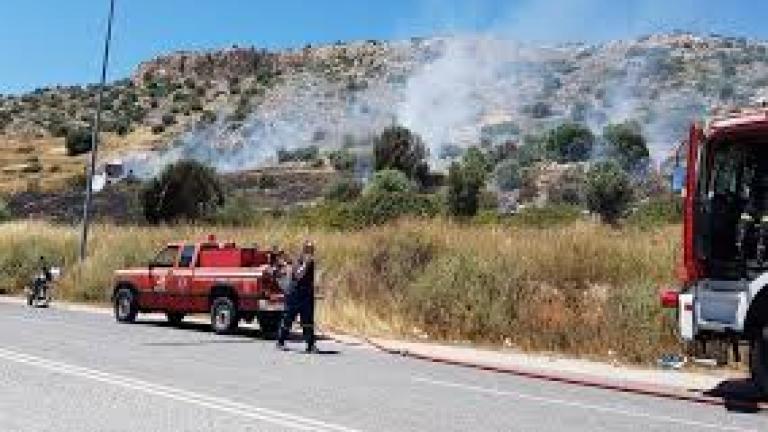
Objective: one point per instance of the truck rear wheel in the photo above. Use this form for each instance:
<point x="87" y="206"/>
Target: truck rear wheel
<point x="224" y="317"/>
<point x="126" y="308"/>
<point x="269" y="322"/>
<point x="758" y="361"/>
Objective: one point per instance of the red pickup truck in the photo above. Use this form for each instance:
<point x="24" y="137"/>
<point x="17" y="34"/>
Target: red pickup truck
<point x="229" y="282"/>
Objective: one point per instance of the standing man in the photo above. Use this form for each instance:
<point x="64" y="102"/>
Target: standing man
<point x="300" y="299"/>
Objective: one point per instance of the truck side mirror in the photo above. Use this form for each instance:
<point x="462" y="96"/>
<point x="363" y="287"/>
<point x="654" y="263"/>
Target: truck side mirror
<point x="678" y="179"/>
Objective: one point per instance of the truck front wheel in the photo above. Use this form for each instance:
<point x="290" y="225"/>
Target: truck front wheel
<point x="126" y="308"/>
<point x="758" y="360"/>
<point x="223" y="315"/>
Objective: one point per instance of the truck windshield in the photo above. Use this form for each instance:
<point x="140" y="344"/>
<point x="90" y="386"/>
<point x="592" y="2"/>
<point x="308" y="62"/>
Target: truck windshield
<point x="166" y="257"/>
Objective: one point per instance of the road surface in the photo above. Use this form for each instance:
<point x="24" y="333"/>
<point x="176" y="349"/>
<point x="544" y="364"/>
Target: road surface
<point x="76" y="371"/>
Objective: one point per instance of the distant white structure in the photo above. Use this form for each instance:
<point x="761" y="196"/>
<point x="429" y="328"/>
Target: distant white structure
<point x="109" y="173"/>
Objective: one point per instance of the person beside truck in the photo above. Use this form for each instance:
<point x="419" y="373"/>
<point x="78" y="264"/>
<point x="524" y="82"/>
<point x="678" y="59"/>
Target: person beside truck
<point x="300" y="300"/>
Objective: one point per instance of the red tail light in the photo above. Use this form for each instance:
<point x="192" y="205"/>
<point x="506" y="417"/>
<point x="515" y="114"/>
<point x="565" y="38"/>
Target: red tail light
<point x="669" y="299"/>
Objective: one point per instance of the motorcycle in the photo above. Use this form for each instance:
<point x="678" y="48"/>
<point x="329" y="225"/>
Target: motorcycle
<point x="39" y="292"/>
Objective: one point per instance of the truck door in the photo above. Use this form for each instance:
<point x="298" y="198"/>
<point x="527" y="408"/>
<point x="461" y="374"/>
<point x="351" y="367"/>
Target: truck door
<point x="159" y="271"/>
<point x="179" y="280"/>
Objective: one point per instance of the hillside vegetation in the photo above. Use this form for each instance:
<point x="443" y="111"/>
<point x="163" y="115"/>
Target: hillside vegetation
<point x="237" y="107"/>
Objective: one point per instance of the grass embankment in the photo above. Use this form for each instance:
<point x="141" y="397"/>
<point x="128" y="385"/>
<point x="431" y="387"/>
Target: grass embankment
<point x="580" y="288"/>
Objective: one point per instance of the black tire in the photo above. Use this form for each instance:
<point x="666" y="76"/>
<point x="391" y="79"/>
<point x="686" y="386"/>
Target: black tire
<point x="269" y="323"/>
<point x="224" y="317"/>
<point x="175" y="318"/>
<point x="758" y="361"/>
<point x="126" y="307"/>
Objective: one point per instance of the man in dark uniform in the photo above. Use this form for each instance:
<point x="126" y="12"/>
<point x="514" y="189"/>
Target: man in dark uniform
<point x="300" y="299"/>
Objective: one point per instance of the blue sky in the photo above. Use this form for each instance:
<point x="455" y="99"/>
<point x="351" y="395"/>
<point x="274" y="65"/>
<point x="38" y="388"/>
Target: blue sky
<point x="48" y="42"/>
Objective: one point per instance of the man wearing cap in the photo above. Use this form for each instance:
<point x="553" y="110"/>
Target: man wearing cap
<point x="300" y="299"/>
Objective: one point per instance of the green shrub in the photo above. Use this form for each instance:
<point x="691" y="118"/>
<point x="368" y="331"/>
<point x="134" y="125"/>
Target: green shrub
<point x="240" y="113"/>
<point x="301" y="154"/>
<point x="78" y="141"/>
<point x="342" y="160"/>
<point x="465" y="182"/>
<point x="626" y="144"/>
<point x="122" y="127"/>
<point x="400" y="149"/>
<point x="381" y="207"/>
<point x="507" y="175"/>
<point x="570" y="142"/>
<point x="184" y="190"/>
<point x="180" y="96"/>
<point x="547" y="216"/>
<point x="208" y="117"/>
<point x="533" y="150"/>
<point x="169" y="119"/>
<point x="388" y="180"/>
<point x="344" y="189"/>
<point x="5" y="212"/>
<point x="658" y="211"/>
<point x="538" y="110"/>
<point x="57" y="129"/>
<point x="608" y="191"/>
<point x="238" y="210"/>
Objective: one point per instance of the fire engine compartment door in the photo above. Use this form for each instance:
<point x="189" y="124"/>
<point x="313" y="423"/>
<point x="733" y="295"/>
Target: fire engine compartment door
<point x="719" y="304"/>
<point x="159" y="274"/>
<point x="179" y="280"/>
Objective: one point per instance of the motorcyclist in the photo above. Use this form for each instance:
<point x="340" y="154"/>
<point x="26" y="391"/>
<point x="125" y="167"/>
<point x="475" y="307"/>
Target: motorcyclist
<point x="42" y="280"/>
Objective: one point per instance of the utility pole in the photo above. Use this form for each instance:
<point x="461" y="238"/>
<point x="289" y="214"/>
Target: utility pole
<point x="95" y="137"/>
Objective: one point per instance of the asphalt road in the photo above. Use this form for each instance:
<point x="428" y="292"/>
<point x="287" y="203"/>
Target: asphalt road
<point x="76" y="371"/>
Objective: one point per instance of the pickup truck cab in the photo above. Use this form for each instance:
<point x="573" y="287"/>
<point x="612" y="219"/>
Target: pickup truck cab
<point x="227" y="281"/>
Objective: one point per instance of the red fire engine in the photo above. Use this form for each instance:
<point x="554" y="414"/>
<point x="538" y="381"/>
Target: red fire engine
<point x="723" y="302"/>
<point x="227" y="281"/>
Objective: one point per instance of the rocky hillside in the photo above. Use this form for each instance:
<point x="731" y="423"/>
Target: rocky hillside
<point x="235" y="108"/>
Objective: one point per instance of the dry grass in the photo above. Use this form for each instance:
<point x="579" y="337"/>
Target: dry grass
<point x="584" y="288"/>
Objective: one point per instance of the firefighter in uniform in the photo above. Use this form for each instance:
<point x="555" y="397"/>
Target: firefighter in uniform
<point x="300" y="300"/>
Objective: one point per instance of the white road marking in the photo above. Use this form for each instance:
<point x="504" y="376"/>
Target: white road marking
<point x="582" y="405"/>
<point x="219" y="404"/>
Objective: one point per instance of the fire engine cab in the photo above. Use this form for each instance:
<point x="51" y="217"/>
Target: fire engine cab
<point x="723" y="302"/>
<point x="228" y="281"/>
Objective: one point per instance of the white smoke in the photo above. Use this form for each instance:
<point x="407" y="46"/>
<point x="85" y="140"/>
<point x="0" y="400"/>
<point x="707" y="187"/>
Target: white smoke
<point x="475" y="76"/>
<point x="305" y="110"/>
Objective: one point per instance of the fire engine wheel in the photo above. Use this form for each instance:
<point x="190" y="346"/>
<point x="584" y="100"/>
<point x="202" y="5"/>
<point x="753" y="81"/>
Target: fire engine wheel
<point x="126" y="308"/>
<point x="175" y="318"/>
<point x="223" y="315"/>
